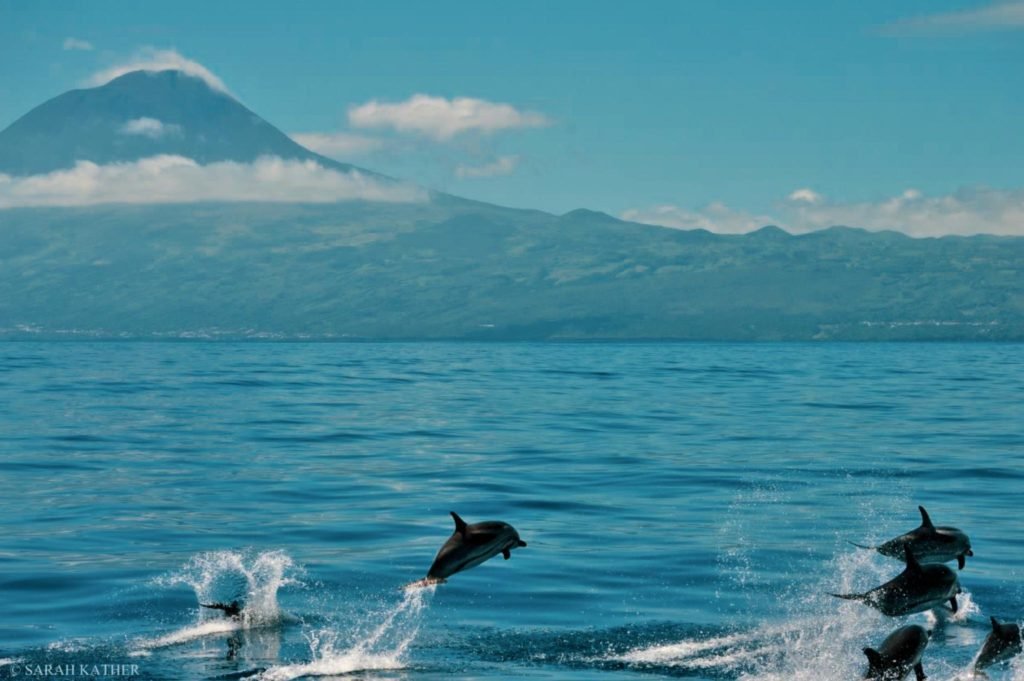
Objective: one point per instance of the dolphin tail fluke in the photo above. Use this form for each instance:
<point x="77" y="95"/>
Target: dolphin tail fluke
<point x="425" y="582"/>
<point x="850" y="597"/>
<point x="919" y="672"/>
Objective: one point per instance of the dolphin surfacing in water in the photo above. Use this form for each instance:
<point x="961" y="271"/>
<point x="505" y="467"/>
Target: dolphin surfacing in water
<point x="916" y="589"/>
<point x="232" y="610"/>
<point x="929" y="543"/>
<point x="900" y="652"/>
<point x="1002" y="644"/>
<point x="469" y="546"/>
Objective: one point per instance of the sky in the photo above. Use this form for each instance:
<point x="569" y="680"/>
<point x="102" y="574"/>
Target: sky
<point x="724" y="115"/>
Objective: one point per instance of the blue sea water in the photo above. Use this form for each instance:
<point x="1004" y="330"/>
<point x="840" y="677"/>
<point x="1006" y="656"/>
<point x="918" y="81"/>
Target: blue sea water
<point x="687" y="506"/>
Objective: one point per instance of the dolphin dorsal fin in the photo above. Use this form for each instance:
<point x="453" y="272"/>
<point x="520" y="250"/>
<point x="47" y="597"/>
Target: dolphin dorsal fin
<point x="912" y="562"/>
<point x="460" y="524"/>
<point x="926" y="522"/>
<point x="995" y="624"/>
<point x="874" y="658"/>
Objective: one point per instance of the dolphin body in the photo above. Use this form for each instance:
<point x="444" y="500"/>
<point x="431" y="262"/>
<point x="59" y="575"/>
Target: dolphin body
<point x="1003" y="643"/>
<point x="232" y="610"/>
<point x="900" y="652"/>
<point x="916" y="589"/>
<point x="929" y="543"/>
<point x="469" y="546"/>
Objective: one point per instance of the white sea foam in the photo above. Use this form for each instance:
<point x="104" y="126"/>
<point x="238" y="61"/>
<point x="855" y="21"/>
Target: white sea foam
<point x="821" y="639"/>
<point x="261" y="576"/>
<point x="383" y="647"/>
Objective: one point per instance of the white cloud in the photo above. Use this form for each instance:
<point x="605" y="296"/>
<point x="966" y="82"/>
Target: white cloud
<point x="152" y="59"/>
<point x="503" y="165"/>
<point x="966" y="212"/>
<point x="175" y="179"/>
<point x="77" y="44"/>
<point x="442" y="119"/>
<point x="991" y="17"/>
<point x="149" y="127"/>
<point x="805" y="196"/>
<point x="715" y="217"/>
<point x="338" y="145"/>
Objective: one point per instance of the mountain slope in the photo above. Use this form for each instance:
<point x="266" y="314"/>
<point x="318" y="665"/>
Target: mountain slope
<point x="364" y="270"/>
<point x="442" y="268"/>
<point x="140" y="114"/>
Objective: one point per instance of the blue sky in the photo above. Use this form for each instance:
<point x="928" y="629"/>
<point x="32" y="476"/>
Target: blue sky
<point x="688" y="110"/>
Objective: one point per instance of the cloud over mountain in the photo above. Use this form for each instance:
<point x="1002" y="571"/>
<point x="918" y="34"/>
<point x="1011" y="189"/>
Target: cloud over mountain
<point x="175" y="179"/>
<point x="153" y="59"/>
<point x="965" y="212"/>
<point x="340" y="145"/>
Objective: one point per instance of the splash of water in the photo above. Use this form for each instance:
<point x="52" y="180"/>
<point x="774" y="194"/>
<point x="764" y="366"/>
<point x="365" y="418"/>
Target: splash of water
<point x="382" y="647"/>
<point x="259" y="575"/>
<point x="821" y="638"/>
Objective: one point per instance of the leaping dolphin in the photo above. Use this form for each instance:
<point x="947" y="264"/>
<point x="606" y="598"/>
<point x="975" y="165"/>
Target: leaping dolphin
<point x="232" y="609"/>
<point x="469" y="546"/>
<point x="1003" y="643"/>
<point x="929" y="543"/>
<point x="900" y="652"/>
<point x="916" y="589"/>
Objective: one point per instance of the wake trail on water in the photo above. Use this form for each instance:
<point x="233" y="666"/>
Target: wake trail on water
<point x="820" y="639"/>
<point x="253" y="579"/>
<point x="381" y="646"/>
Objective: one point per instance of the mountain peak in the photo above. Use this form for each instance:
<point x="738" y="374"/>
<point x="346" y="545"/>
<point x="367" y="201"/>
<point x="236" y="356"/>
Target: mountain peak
<point x="166" y="78"/>
<point x="141" y="114"/>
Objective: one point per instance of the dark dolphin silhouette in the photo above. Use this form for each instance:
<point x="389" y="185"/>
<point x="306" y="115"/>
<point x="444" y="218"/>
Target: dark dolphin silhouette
<point x="469" y="546"/>
<point x="1003" y="643"/>
<point x="900" y="652"/>
<point x="929" y="543"/>
<point x="916" y="589"/>
<point x="232" y="609"/>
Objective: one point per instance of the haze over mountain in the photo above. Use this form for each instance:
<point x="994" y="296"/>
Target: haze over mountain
<point x="432" y="265"/>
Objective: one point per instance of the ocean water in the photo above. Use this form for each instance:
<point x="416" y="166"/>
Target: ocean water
<point x="688" y="507"/>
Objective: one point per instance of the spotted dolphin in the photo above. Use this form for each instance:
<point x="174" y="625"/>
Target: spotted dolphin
<point x="900" y="652"/>
<point x="929" y="543"/>
<point x="469" y="546"/>
<point x="916" y="589"/>
<point x="1003" y="643"/>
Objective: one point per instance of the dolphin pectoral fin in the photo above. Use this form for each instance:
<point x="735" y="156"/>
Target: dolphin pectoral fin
<point x="919" y="672"/>
<point x="961" y="561"/>
<point x="506" y="554"/>
<point x="953" y="605"/>
<point x="926" y="521"/>
<point x="460" y="524"/>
